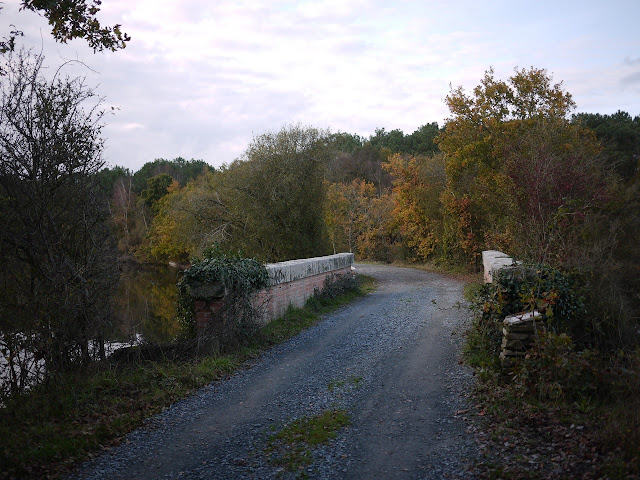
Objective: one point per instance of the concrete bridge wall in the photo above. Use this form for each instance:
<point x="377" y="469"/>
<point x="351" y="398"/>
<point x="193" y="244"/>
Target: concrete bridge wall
<point x="291" y="283"/>
<point x="493" y="261"/>
<point x="295" y="281"/>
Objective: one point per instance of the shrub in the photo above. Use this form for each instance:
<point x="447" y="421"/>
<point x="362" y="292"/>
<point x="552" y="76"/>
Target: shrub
<point x="239" y="278"/>
<point x="558" y="295"/>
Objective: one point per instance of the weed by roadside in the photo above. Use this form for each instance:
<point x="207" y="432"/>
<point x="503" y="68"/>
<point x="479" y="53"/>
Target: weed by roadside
<point x="47" y="430"/>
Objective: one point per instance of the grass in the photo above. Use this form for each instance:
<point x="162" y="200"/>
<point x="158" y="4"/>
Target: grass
<point x="292" y="446"/>
<point x="353" y="381"/>
<point x="74" y="417"/>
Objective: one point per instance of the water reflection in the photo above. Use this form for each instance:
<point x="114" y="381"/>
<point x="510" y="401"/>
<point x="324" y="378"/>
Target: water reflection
<point x="145" y="304"/>
<point x="144" y="312"/>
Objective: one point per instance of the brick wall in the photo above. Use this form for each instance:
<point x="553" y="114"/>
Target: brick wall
<point x="276" y="299"/>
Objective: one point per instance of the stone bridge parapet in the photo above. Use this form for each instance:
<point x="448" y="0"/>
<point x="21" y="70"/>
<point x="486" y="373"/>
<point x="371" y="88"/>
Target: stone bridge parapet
<point x="290" y="283"/>
<point x="295" y="281"/>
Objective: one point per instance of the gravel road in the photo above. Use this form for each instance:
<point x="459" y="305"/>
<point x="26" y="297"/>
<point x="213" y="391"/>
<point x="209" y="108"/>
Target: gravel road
<point x="391" y="359"/>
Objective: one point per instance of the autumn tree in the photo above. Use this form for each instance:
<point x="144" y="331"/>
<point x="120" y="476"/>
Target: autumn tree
<point x="505" y="144"/>
<point x="191" y="219"/>
<point x="378" y="238"/>
<point x="135" y="197"/>
<point x="417" y="186"/>
<point x="358" y="219"/>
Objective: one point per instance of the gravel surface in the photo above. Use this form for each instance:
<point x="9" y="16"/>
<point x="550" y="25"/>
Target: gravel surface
<point x="390" y="359"/>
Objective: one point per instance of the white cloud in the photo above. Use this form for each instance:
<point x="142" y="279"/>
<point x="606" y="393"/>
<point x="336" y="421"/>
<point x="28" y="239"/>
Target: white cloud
<point x="131" y="126"/>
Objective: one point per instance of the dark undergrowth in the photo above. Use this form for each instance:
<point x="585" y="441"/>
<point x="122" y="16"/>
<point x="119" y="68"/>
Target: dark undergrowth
<point x="48" y="430"/>
<point x="566" y="411"/>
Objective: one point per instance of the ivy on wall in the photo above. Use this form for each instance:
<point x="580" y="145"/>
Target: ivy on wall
<point x="238" y="277"/>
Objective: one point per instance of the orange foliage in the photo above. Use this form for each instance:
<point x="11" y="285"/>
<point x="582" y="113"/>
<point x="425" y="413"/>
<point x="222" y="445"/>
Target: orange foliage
<point x="417" y="186"/>
<point x="358" y="219"/>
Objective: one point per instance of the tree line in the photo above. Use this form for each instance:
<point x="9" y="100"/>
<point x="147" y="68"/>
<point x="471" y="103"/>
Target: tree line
<point x="512" y="169"/>
<point x="272" y="203"/>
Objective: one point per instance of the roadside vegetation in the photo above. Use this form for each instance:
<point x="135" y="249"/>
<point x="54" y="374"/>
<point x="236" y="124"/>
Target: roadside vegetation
<point x="526" y="180"/>
<point x="50" y="428"/>
<point x="568" y="409"/>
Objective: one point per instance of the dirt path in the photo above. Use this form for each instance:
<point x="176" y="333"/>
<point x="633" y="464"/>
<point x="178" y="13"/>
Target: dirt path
<point x="390" y="359"/>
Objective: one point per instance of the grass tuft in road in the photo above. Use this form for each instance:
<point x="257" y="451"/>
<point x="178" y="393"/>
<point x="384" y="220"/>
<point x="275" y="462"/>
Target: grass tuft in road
<point x="353" y="381"/>
<point x="292" y="446"/>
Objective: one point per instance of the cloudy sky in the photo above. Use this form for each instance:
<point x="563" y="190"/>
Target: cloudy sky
<point x="200" y="78"/>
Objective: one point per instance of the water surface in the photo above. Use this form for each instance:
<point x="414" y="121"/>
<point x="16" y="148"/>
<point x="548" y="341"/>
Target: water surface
<point x="145" y="304"/>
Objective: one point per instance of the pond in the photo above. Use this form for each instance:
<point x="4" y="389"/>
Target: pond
<point x="145" y="304"/>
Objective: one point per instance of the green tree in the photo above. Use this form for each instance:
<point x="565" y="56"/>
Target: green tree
<point x="394" y="140"/>
<point x="619" y="134"/>
<point x="278" y="193"/>
<point x="71" y="19"/>
<point x="422" y="141"/>
<point x="157" y="187"/>
<point x="179" y="169"/>
<point x="108" y="177"/>
<point x="268" y="204"/>
<point x="345" y="142"/>
<point x="58" y="258"/>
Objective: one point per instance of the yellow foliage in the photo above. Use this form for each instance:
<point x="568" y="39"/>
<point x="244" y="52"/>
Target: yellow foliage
<point x="419" y="182"/>
<point x="358" y="219"/>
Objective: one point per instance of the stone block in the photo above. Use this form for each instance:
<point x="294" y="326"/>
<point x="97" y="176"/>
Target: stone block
<point x="521" y="319"/>
<point x="516" y="335"/>
<point x="509" y="343"/>
<point x="513" y="353"/>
